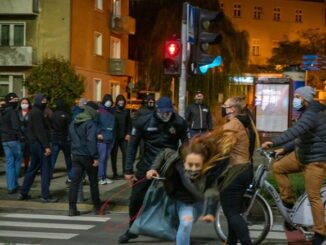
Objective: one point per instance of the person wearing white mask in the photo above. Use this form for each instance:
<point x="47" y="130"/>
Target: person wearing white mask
<point x="304" y="149"/>
<point x="24" y="108"/>
<point x="106" y="134"/>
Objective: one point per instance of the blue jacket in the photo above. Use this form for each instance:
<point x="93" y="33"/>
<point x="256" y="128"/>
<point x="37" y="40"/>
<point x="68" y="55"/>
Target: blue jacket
<point x="106" y="124"/>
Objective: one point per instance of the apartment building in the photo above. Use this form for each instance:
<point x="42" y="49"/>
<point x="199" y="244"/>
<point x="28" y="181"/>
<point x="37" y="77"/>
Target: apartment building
<point x="92" y="34"/>
<point x="269" y="22"/>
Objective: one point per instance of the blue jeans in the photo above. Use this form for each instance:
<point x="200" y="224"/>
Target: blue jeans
<point x="65" y="147"/>
<point x="13" y="154"/>
<point x="38" y="161"/>
<point x="104" y="150"/>
<point x="188" y="213"/>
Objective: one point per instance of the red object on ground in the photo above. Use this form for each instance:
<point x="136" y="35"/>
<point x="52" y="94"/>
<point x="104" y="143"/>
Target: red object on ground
<point x="296" y="238"/>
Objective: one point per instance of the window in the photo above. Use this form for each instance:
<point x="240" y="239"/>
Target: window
<point x="99" y="4"/>
<point x="97" y="89"/>
<point x="255" y="47"/>
<point x="298" y="16"/>
<point x="115" y="88"/>
<point x="98" y="43"/>
<point x="258" y="12"/>
<point x="277" y="14"/>
<point x="237" y="10"/>
<point x="115" y="48"/>
<point x="12" y="34"/>
<point x="11" y="83"/>
<point x="116" y="8"/>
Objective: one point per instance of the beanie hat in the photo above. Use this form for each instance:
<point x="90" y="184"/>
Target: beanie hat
<point x="306" y="92"/>
<point x="164" y="104"/>
<point x="92" y="105"/>
<point x="10" y="96"/>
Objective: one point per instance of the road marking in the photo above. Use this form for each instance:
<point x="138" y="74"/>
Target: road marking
<point x="55" y="217"/>
<point x="46" y="225"/>
<point x="47" y="235"/>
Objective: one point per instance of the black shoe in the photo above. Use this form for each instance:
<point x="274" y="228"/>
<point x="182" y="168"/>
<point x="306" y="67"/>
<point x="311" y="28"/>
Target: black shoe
<point x="22" y="196"/>
<point x="13" y="191"/>
<point x="318" y="239"/>
<point x="117" y="177"/>
<point x="126" y="237"/>
<point x="73" y="212"/>
<point x="49" y="199"/>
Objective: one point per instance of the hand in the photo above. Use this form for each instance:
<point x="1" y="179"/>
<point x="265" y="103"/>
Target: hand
<point x="95" y="163"/>
<point x="207" y="218"/>
<point x="127" y="137"/>
<point x="267" y="144"/>
<point x="151" y="174"/>
<point x="279" y="152"/>
<point x="47" y="152"/>
<point x="100" y="137"/>
<point x="130" y="178"/>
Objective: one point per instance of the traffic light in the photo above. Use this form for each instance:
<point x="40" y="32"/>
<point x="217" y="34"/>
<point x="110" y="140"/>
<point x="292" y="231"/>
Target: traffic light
<point x="172" y="57"/>
<point x="204" y="38"/>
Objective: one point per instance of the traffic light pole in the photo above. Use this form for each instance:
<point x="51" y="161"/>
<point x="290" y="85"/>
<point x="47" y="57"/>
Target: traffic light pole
<point x="183" y="71"/>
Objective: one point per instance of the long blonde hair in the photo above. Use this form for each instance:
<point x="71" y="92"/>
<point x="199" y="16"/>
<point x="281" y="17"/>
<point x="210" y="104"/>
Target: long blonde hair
<point x="213" y="147"/>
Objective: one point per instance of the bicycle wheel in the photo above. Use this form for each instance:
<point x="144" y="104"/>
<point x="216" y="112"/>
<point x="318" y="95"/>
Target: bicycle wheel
<point x="259" y="220"/>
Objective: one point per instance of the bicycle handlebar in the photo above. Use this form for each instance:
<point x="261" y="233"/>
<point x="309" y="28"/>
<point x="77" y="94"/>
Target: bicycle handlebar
<point x="267" y="154"/>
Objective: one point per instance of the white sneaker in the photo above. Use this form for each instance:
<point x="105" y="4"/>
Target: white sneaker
<point x="108" y="181"/>
<point x="102" y="182"/>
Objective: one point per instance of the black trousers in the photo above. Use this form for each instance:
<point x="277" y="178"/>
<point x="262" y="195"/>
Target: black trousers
<point x="136" y="198"/>
<point x="232" y="202"/>
<point x="122" y="144"/>
<point x="79" y="165"/>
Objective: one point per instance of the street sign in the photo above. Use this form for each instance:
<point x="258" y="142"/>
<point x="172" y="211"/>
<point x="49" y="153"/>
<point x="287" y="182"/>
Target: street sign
<point x="310" y="62"/>
<point x="191" y="23"/>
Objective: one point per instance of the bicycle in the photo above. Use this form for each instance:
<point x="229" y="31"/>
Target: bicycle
<point x="258" y="213"/>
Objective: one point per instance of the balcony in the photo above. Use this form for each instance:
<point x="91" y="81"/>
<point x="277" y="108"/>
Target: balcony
<point x="123" y="25"/>
<point x="121" y="67"/>
<point x="16" y="56"/>
<point x="19" y="7"/>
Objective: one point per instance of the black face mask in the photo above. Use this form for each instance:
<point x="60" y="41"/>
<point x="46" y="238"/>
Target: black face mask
<point x="13" y="104"/>
<point x="224" y="113"/>
<point x="43" y="106"/>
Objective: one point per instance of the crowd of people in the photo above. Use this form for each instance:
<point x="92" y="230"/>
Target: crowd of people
<point x="196" y="156"/>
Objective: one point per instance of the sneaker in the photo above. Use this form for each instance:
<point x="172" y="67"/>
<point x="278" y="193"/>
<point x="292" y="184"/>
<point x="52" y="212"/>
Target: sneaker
<point x="49" y="199"/>
<point x="126" y="237"/>
<point x="22" y="196"/>
<point x="68" y="181"/>
<point x="73" y="212"/>
<point x="108" y="181"/>
<point x="13" y="191"/>
<point x="102" y="182"/>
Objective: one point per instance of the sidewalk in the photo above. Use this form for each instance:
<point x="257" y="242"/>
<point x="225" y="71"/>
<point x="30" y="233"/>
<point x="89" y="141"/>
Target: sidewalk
<point x="60" y="190"/>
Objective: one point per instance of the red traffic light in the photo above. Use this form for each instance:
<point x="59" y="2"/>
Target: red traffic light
<point x="172" y="48"/>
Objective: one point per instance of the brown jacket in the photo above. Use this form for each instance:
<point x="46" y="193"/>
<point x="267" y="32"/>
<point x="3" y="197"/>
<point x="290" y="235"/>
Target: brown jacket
<point x="240" y="152"/>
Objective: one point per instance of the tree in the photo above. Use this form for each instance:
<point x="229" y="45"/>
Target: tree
<point x="56" y="78"/>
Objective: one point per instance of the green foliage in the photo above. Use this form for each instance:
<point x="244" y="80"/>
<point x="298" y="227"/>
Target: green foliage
<point x="56" y="78"/>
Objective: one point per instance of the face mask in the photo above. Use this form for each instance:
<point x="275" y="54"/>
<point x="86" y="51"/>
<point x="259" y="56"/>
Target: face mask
<point x="121" y="104"/>
<point x="14" y="103"/>
<point x="43" y="106"/>
<point x="24" y="106"/>
<point x="165" y="117"/>
<point x="108" y="104"/>
<point x="199" y="101"/>
<point x="192" y="174"/>
<point x="224" y="112"/>
<point x="297" y="104"/>
<point x="150" y="104"/>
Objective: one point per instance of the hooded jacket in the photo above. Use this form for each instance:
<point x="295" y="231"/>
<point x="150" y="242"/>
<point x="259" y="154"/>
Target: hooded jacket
<point x="123" y="118"/>
<point x="60" y="122"/>
<point x="198" y="116"/>
<point x="308" y="135"/>
<point x="106" y="124"/>
<point x="10" y="124"/>
<point x="38" y="130"/>
<point x="83" y="134"/>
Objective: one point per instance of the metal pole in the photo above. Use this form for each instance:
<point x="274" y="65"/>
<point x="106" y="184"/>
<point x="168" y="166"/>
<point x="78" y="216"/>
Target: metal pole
<point x="183" y="72"/>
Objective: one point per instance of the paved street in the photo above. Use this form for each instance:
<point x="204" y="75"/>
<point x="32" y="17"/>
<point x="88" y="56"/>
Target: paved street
<point x="34" y="222"/>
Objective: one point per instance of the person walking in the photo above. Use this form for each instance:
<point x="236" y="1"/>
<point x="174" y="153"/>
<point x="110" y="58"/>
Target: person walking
<point x="106" y="134"/>
<point x="85" y="157"/>
<point x="11" y="136"/>
<point x="123" y="129"/>
<point x="304" y="149"/>
<point x="39" y="138"/>
<point x="60" y="121"/>
<point x="159" y="130"/>
<point x="198" y="116"/>
<point x="24" y="109"/>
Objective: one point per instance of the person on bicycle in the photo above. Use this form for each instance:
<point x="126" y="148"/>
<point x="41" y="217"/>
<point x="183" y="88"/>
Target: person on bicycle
<point x="239" y="174"/>
<point x="191" y="177"/>
<point x="304" y="149"/>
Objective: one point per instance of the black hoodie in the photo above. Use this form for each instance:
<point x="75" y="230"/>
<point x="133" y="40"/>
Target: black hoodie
<point x="60" y="121"/>
<point x="10" y="124"/>
<point x="123" y="118"/>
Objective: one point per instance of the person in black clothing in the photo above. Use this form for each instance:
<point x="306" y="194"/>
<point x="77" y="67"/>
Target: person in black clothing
<point x="11" y="135"/>
<point x="38" y="135"/>
<point x="147" y="107"/>
<point x="161" y="129"/>
<point x="123" y="129"/>
<point x="60" y="121"/>
<point x="198" y="116"/>
<point x="85" y="157"/>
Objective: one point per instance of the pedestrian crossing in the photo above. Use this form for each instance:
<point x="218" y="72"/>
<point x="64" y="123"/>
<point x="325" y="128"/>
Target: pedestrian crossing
<point x="44" y="226"/>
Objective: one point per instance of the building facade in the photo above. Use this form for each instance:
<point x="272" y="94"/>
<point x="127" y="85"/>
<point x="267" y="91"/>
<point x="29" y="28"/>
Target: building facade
<point x="269" y="22"/>
<point x="91" y="34"/>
